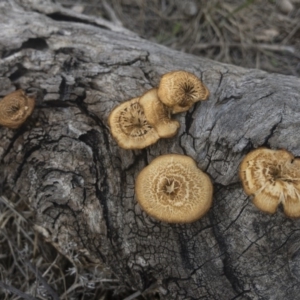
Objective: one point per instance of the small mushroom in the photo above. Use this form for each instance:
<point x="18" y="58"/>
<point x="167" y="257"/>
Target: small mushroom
<point x="173" y="189"/>
<point x="15" y="108"/>
<point x="158" y="115"/>
<point x="272" y="177"/>
<point x="129" y="126"/>
<point x="179" y="90"/>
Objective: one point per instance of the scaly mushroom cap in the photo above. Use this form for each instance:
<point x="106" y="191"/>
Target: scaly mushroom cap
<point x="158" y="114"/>
<point x="15" y="108"/>
<point x="173" y="189"/>
<point x="180" y="90"/>
<point x="129" y="126"/>
<point x="272" y="177"/>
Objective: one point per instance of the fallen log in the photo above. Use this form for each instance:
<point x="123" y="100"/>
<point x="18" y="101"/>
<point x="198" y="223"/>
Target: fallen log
<point x="81" y="184"/>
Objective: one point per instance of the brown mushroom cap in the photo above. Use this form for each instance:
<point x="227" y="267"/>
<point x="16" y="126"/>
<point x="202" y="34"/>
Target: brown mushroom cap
<point x="272" y="177"/>
<point x="15" y="108"/>
<point x="180" y="90"/>
<point x="129" y="126"/>
<point x="158" y="114"/>
<point x="173" y="189"/>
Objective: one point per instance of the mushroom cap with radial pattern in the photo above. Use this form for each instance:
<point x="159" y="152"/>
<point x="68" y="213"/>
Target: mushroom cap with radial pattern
<point x="173" y="189"/>
<point x="272" y="177"/>
<point x="179" y="90"/>
<point x="129" y="126"/>
<point x="158" y="114"/>
<point x="15" y="108"/>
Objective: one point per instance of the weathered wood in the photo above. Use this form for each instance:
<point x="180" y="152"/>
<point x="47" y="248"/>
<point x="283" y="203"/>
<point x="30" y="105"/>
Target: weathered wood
<point x="81" y="184"/>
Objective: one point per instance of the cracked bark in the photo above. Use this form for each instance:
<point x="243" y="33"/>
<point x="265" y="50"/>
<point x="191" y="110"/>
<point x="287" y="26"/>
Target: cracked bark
<point x="81" y="185"/>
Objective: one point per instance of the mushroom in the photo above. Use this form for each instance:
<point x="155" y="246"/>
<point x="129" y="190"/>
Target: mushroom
<point x="179" y="90"/>
<point x="129" y="126"/>
<point x="15" y="108"/>
<point x="272" y="177"/>
<point x="173" y="189"/>
<point x="158" y="114"/>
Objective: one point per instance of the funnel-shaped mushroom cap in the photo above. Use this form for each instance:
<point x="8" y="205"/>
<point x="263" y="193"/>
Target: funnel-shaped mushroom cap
<point x="15" y="108"/>
<point x="158" y="114"/>
<point x="129" y="126"/>
<point x="180" y="90"/>
<point x="173" y="189"/>
<point x="272" y="177"/>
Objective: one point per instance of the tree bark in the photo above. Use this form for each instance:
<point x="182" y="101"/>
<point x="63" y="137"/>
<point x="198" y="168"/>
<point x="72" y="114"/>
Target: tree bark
<point x="81" y="184"/>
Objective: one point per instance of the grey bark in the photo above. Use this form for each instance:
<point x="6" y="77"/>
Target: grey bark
<point x="81" y="184"/>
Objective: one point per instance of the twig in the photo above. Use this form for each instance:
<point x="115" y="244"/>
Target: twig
<point x="7" y="203"/>
<point x="133" y="296"/>
<point x="51" y="291"/>
<point x="15" y="291"/>
<point x="290" y="35"/>
<point x="40" y="277"/>
<point x="73" y="286"/>
<point x="57" y="8"/>
<point x="111" y="13"/>
<point x="240" y="7"/>
<point x="219" y="35"/>
<point x="257" y="60"/>
<point x="275" y="48"/>
<point x="14" y="256"/>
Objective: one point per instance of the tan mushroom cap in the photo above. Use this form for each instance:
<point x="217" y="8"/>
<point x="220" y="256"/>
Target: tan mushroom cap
<point x="272" y="177"/>
<point x="158" y="114"/>
<point x="15" y="108"/>
<point x="129" y="126"/>
<point x="173" y="189"/>
<point x="180" y="90"/>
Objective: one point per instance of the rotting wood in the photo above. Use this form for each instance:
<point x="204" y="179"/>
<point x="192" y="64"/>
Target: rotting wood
<point x="81" y="184"/>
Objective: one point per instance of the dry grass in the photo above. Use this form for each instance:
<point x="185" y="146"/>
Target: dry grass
<point x="248" y="33"/>
<point x="253" y="34"/>
<point x="33" y="269"/>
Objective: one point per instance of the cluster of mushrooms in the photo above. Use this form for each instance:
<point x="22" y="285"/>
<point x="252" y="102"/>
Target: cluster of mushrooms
<point x="172" y="188"/>
<point x="142" y="121"/>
